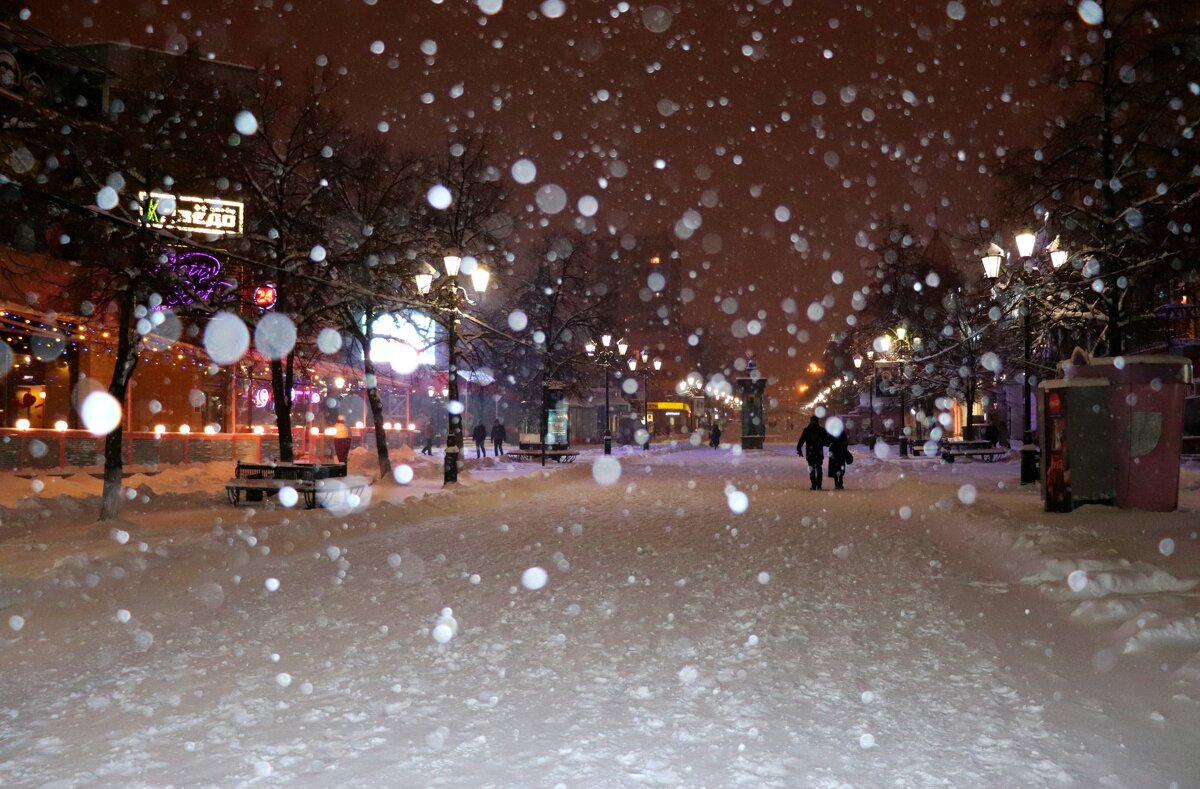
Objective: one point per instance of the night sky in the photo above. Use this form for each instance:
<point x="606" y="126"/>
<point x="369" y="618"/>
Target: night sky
<point x="766" y="136"/>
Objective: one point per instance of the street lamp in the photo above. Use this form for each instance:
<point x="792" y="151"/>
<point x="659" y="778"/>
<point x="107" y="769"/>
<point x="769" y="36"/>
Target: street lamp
<point x="633" y="363"/>
<point x="1026" y="276"/>
<point x="902" y="348"/>
<point x="446" y="297"/>
<point x="607" y="358"/>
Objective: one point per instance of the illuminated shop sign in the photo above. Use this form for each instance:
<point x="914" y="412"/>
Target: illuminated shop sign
<point x="204" y="215"/>
<point x="197" y="276"/>
<point x="262" y="396"/>
<point x="413" y="329"/>
<point x="265" y="296"/>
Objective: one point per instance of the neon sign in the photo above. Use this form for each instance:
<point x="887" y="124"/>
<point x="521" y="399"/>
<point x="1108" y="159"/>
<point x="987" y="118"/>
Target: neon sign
<point x="262" y="396"/>
<point x="203" y="215"/>
<point x="265" y="296"/>
<point x="197" y="276"/>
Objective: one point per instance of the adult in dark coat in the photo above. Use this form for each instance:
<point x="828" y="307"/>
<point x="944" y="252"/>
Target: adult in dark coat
<point x="714" y="435"/>
<point x="480" y="435"/>
<point x="811" y="447"/>
<point x="839" y="452"/>
<point x="427" y="447"/>
<point x="498" y="436"/>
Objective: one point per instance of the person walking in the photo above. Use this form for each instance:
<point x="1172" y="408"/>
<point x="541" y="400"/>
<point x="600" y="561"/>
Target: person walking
<point x="427" y="448"/>
<point x="480" y="435"/>
<point x="714" y="435"/>
<point x="811" y="447"/>
<point x="341" y="439"/>
<point x="839" y="458"/>
<point x="498" y="436"/>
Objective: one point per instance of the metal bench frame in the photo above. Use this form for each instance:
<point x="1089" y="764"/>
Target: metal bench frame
<point x="312" y="490"/>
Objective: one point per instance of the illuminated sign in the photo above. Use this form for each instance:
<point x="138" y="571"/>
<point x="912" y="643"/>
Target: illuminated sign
<point x="413" y="329"/>
<point x="203" y="215"/>
<point x="669" y="405"/>
<point x="197" y="275"/>
<point x="264" y="296"/>
<point x="262" y="396"/>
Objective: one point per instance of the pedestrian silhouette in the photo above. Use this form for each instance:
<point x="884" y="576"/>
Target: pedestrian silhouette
<point x="341" y="439"/>
<point x="427" y="448"/>
<point x="839" y="457"/>
<point x="498" y="436"/>
<point x="480" y="434"/>
<point x="811" y="447"/>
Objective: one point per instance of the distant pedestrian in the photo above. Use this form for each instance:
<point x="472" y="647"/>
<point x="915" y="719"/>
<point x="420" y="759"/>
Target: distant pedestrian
<point x="427" y="448"/>
<point x="498" y="436"/>
<point x="480" y="435"/>
<point x="341" y="439"/>
<point x="811" y="447"/>
<point x="839" y="458"/>
<point x="714" y="435"/>
<point x="991" y="434"/>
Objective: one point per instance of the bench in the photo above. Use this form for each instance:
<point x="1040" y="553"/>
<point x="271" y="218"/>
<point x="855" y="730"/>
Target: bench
<point x="557" y="455"/>
<point x="988" y="454"/>
<point x="312" y="490"/>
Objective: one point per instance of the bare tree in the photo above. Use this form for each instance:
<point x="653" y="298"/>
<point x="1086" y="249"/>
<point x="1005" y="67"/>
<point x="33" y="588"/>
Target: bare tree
<point x="1116" y="170"/>
<point x="287" y="166"/>
<point x="377" y="225"/>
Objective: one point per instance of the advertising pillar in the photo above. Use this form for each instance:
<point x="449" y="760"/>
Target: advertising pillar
<point x="754" y="427"/>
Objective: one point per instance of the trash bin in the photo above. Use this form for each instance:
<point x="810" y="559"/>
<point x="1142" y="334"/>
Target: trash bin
<point x="1145" y="429"/>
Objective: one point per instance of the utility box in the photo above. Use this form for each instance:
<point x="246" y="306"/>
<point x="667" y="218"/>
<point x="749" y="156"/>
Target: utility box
<point x="1145" y="426"/>
<point x="1073" y="425"/>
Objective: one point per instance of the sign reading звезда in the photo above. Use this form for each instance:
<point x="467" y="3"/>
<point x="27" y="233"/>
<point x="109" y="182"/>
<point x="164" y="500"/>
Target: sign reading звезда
<point x="204" y="215"/>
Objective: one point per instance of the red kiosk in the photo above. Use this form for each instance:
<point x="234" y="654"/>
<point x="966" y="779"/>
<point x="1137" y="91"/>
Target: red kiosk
<point x="1111" y="432"/>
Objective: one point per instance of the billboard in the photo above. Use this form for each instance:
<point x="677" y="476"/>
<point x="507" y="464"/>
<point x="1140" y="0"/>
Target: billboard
<point x="404" y="341"/>
<point x="201" y="215"/>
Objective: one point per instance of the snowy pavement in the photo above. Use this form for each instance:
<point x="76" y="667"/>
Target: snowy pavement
<point x="705" y="621"/>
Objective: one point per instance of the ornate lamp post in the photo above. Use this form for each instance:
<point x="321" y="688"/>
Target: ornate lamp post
<point x="445" y="297"/>
<point x="607" y="357"/>
<point x="1026" y="277"/>
<point x="633" y="363"/>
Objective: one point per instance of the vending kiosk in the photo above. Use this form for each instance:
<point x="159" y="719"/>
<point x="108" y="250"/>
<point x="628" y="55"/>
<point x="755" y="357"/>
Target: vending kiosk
<point x="1074" y="424"/>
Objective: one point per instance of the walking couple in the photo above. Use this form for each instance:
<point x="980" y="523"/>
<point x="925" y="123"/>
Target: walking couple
<point x="811" y="447"/>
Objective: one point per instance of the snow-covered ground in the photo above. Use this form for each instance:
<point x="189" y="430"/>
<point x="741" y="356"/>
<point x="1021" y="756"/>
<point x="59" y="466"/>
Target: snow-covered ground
<point x="705" y="620"/>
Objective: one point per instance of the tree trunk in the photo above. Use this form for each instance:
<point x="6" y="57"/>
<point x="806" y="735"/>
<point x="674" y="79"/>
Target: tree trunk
<point x="362" y="337"/>
<point x="971" y="400"/>
<point x="381" y="447"/>
<point x="123" y="367"/>
<point x="281" y="390"/>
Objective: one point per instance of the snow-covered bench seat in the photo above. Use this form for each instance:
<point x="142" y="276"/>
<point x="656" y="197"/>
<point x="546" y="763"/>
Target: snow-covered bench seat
<point x="988" y="454"/>
<point x="557" y="455"/>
